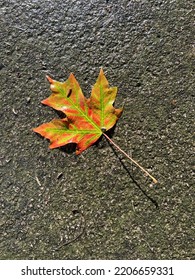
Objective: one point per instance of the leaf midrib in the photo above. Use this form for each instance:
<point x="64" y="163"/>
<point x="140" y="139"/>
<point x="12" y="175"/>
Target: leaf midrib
<point x="68" y="131"/>
<point x="81" y="111"/>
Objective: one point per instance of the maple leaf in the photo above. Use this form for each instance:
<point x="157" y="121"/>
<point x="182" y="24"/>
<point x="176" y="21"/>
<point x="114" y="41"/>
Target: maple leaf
<point x="86" y="119"/>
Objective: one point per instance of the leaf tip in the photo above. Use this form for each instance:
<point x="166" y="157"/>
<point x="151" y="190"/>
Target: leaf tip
<point x="101" y="72"/>
<point x="72" y="78"/>
<point x="45" y="102"/>
<point x="49" y="79"/>
<point x="34" y="129"/>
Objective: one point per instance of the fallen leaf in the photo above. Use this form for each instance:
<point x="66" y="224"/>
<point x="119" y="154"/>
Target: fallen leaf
<point x="85" y="119"/>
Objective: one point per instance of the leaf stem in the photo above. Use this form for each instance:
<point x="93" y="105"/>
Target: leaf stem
<point x="135" y="162"/>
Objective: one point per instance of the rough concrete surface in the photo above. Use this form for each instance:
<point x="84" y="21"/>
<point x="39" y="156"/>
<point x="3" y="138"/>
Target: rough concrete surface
<point x="55" y="205"/>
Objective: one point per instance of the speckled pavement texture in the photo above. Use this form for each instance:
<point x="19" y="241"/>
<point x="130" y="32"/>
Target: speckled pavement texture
<point x="56" y="205"/>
